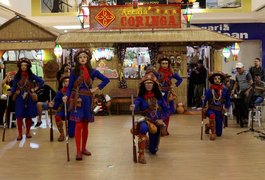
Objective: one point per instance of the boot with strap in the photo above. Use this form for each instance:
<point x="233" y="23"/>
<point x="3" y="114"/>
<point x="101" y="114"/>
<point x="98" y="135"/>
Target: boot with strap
<point x="141" y="147"/>
<point x="207" y="128"/>
<point x="61" y="131"/>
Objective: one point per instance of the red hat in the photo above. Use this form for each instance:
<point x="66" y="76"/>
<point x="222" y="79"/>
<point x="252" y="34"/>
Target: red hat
<point x="86" y="51"/>
<point x="25" y="60"/>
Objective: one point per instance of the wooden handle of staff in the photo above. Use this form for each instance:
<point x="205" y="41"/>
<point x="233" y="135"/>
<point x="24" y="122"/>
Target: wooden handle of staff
<point x="66" y="132"/>
<point x="50" y="109"/>
<point x="202" y="114"/>
<point x="133" y="132"/>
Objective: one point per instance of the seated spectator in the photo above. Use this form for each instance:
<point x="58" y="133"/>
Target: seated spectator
<point x="43" y="99"/>
<point x="229" y="83"/>
<point x="6" y="85"/>
<point x="259" y="89"/>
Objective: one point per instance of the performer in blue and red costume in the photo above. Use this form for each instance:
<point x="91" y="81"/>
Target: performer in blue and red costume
<point x="80" y="93"/>
<point x="58" y="105"/>
<point x="151" y="105"/>
<point x="165" y="77"/>
<point x="217" y="98"/>
<point x="23" y="93"/>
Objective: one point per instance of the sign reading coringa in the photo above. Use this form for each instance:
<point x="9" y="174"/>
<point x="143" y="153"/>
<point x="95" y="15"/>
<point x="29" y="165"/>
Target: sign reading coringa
<point x="143" y="17"/>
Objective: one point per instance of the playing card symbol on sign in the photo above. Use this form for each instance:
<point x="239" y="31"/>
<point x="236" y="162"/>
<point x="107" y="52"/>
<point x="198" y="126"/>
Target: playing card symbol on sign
<point x="104" y="17"/>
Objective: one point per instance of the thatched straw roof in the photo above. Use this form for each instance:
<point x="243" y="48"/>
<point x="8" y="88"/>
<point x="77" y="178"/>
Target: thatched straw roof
<point x="183" y="36"/>
<point x="20" y="33"/>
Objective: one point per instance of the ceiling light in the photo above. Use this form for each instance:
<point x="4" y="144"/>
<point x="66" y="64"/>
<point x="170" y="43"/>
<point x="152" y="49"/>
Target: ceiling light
<point x="70" y="27"/>
<point x="5" y="2"/>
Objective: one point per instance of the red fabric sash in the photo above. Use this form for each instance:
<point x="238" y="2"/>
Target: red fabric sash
<point x="167" y="73"/>
<point x="63" y="90"/>
<point x="217" y="88"/>
<point x="149" y="95"/>
<point x="24" y="73"/>
<point x="86" y="74"/>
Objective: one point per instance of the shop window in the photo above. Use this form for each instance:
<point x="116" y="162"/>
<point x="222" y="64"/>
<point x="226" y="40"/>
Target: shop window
<point x="135" y="62"/>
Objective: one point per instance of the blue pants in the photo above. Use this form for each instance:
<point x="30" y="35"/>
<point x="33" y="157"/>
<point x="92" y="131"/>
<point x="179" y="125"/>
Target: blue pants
<point x="218" y="121"/>
<point x="71" y="128"/>
<point x="153" y="138"/>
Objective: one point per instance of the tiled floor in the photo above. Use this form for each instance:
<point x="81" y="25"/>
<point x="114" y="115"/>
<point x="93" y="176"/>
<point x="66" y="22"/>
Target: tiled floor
<point x="182" y="155"/>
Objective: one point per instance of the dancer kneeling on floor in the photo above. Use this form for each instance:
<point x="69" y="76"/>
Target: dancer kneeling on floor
<point x="218" y="99"/>
<point x="153" y="107"/>
<point x="59" y="106"/>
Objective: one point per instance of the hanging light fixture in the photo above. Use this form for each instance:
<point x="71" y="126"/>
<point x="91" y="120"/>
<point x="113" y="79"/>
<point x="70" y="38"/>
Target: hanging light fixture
<point x="187" y="15"/>
<point x="135" y="4"/>
<point x="40" y="54"/>
<point x="235" y="49"/>
<point x="103" y="54"/>
<point x="226" y="54"/>
<point x="82" y="16"/>
<point x="58" y="50"/>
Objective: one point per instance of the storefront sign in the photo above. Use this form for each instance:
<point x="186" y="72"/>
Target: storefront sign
<point x="143" y="17"/>
<point x="245" y="31"/>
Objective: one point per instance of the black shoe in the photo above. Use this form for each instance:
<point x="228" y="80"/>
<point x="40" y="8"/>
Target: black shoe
<point x="38" y="124"/>
<point x="245" y="121"/>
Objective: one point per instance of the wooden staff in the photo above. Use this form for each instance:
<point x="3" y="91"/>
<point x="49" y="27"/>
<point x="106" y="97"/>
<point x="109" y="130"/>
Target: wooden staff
<point x="66" y="132"/>
<point x="51" y="128"/>
<point x="133" y="132"/>
<point x="202" y="114"/>
<point x="5" y="122"/>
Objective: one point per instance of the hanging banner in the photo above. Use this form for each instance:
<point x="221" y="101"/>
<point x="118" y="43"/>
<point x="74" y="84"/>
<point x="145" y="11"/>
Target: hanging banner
<point x="127" y="17"/>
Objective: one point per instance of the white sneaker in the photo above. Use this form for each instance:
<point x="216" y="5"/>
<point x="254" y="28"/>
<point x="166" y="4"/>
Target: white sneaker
<point x="199" y="108"/>
<point x="194" y="107"/>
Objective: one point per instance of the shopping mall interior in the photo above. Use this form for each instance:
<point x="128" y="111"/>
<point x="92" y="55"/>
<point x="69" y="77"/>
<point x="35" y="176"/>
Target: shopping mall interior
<point x="126" y="39"/>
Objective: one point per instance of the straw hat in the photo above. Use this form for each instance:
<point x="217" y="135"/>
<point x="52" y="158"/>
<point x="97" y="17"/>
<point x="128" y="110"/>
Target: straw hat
<point x="164" y="59"/>
<point x="213" y="74"/>
<point x="64" y="77"/>
<point x="25" y="60"/>
<point x="86" y="51"/>
<point x="149" y="77"/>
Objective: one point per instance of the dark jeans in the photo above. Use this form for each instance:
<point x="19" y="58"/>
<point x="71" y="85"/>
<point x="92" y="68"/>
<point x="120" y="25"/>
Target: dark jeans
<point x="246" y="103"/>
<point x="190" y="94"/>
<point x="198" y="92"/>
<point x="2" y="110"/>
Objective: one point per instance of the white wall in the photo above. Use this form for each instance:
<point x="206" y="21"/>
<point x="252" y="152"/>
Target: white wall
<point x="17" y="6"/>
<point x="256" y="4"/>
<point x="249" y="50"/>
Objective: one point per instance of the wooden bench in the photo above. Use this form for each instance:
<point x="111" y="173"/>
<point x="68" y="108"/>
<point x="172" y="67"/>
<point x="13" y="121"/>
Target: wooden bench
<point x="122" y="98"/>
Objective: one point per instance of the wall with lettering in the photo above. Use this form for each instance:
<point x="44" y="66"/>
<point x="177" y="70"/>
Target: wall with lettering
<point x="246" y="31"/>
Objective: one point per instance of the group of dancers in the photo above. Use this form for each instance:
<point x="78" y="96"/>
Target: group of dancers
<point x="155" y="102"/>
<point x="77" y="92"/>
